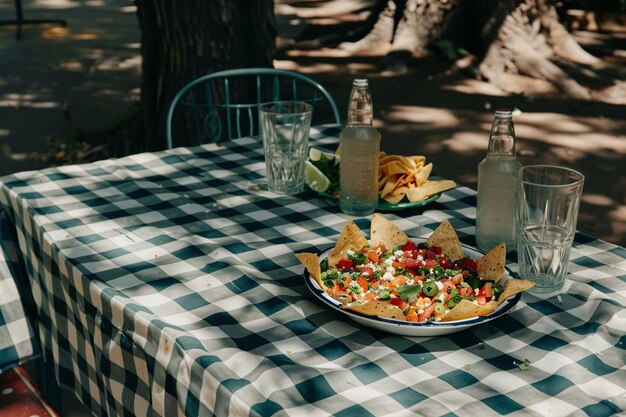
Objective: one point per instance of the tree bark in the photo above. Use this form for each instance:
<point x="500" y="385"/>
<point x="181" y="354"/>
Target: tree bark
<point x="182" y="40"/>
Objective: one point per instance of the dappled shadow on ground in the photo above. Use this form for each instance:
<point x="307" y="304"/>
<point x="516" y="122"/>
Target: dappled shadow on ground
<point x="57" y="80"/>
<point x="446" y="115"/>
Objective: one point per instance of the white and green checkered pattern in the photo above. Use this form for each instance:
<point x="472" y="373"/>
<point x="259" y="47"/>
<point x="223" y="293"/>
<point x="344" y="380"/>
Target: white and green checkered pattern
<point x="166" y="284"/>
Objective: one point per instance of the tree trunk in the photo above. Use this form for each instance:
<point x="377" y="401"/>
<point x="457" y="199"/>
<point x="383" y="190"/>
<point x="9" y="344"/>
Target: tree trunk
<point x="182" y="40"/>
<point x="508" y="38"/>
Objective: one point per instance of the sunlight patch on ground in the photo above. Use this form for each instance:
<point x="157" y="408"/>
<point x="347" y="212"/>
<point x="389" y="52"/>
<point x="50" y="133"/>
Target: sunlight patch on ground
<point x="18" y="101"/>
<point x="72" y="66"/>
<point x="55" y="32"/>
<point x="60" y="32"/>
<point x="356" y="68"/>
<point x="475" y="87"/>
<point x="433" y="117"/>
<point x="118" y="63"/>
<point x="56" y="4"/>
<point x="7" y="152"/>
<point x="466" y="142"/>
<point x="597" y="200"/>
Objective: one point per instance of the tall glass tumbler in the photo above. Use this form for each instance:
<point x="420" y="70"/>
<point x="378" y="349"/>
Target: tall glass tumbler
<point x="285" y="127"/>
<point x="547" y="202"/>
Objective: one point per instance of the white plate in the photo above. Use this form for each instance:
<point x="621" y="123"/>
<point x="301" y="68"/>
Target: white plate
<point x="409" y="328"/>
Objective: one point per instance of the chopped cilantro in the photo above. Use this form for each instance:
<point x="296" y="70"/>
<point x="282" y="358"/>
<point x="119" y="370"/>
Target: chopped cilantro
<point x="358" y="258"/>
<point x="454" y="300"/>
<point x="523" y="366"/>
<point x="497" y="290"/>
<point x="473" y="280"/>
<point x="378" y="273"/>
<point x="384" y="294"/>
<point x="355" y="288"/>
<point x="409" y="293"/>
<point x="324" y="265"/>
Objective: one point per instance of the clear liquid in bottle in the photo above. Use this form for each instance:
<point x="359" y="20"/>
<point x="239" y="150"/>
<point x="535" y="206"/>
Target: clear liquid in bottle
<point x="495" y="218"/>
<point x="360" y="146"/>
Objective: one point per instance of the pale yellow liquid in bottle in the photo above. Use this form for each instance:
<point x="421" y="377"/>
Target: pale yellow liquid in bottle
<point x="360" y="146"/>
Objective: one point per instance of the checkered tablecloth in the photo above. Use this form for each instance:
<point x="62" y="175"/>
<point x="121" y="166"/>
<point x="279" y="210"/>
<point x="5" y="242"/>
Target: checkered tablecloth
<point x="166" y="284"/>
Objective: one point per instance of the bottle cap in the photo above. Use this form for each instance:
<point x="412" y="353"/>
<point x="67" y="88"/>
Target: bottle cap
<point x="360" y="82"/>
<point x="504" y="113"/>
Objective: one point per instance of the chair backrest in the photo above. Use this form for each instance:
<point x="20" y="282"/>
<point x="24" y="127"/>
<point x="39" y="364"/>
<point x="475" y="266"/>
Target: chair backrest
<point x="224" y="105"/>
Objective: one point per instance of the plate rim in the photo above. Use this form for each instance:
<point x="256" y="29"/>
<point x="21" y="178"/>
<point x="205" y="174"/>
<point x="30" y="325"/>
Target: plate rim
<point x="384" y="205"/>
<point x="505" y="307"/>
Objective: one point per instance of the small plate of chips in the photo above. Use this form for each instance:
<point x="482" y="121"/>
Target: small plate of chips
<point x="384" y="315"/>
<point x="403" y="181"/>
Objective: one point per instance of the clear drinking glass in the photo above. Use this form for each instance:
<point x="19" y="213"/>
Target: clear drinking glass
<point x="285" y="127"/>
<point x="547" y="202"/>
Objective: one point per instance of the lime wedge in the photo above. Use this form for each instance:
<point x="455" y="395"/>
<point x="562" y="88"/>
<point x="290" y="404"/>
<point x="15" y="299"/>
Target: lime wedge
<point x="317" y="154"/>
<point x="314" y="178"/>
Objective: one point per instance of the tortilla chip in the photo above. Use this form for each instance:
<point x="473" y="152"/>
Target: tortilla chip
<point x="312" y="264"/>
<point x="350" y="238"/>
<point x="397" y="195"/>
<point x="513" y="286"/>
<point x="422" y="175"/>
<point x="386" y="233"/>
<point x="377" y="308"/>
<point x="445" y="237"/>
<point x="466" y="309"/>
<point x="491" y="265"/>
<point x="390" y="185"/>
<point x="429" y="188"/>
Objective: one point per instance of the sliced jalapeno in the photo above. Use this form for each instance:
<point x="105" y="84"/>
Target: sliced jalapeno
<point x="439" y="307"/>
<point x="430" y="288"/>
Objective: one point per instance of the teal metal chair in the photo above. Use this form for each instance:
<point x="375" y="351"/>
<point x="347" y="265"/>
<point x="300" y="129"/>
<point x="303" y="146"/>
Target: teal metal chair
<point x="224" y="105"/>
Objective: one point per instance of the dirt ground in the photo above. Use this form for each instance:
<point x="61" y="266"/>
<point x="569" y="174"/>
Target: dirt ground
<point x="446" y="115"/>
<point x="56" y="81"/>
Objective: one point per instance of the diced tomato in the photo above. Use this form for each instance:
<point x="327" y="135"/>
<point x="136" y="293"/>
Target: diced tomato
<point x="430" y="263"/>
<point x="466" y="292"/>
<point x="444" y="262"/>
<point x="399" y="264"/>
<point x="447" y="283"/>
<point x="412" y="263"/>
<point x="419" y="278"/>
<point x="367" y="271"/>
<point x="399" y="302"/>
<point x="362" y="283"/>
<point x="344" y="264"/>
<point x="467" y="263"/>
<point x="427" y="313"/>
<point x="373" y="256"/>
<point x="457" y="279"/>
<point x="482" y="300"/>
<point x="397" y="281"/>
<point x="487" y="290"/>
<point x="337" y="288"/>
<point x="430" y="254"/>
<point x="437" y="249"/>
<point x="411" y="315"/>
<point x="409" y="246"/>
<point x="370" y="296"/>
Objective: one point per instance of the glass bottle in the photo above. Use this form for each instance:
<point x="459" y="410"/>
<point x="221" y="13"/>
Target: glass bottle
<point x="360" y="146"/>
<point x="495" y="215"/>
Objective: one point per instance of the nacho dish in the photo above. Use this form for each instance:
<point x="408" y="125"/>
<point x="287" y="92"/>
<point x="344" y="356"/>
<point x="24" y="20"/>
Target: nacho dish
<point x="392" y="277"/>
